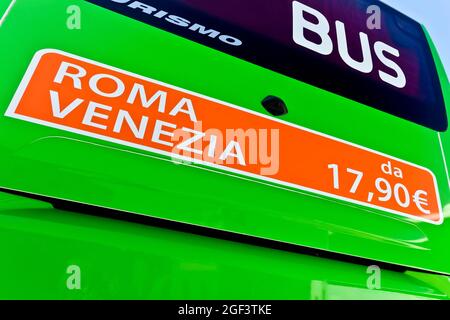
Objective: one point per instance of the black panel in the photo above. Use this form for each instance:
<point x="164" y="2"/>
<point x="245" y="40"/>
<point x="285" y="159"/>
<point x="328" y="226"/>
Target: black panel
<point x="261" y="32"/>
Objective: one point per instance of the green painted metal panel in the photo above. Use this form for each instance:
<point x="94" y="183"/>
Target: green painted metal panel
<point x="121" y="260"/>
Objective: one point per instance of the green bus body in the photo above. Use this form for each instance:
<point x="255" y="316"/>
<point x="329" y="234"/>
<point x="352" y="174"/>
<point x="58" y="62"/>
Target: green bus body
<point x="117" y="259"/>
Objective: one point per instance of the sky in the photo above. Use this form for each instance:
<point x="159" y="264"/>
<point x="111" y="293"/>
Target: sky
<point x="435" y="15"/>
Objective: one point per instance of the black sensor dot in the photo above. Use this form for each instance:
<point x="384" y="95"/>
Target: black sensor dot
<point x="275" y="106"/>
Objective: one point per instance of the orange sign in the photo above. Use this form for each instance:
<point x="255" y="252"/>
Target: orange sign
<point x="78" y="95"/>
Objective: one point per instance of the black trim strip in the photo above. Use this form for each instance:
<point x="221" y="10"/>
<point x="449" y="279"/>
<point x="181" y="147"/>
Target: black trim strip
<point x="97" y="211"/>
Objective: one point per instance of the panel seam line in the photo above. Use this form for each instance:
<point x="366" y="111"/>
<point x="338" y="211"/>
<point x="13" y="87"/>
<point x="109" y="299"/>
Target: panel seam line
<point x="8" y="10"/>
<point x="443" y="159"/>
